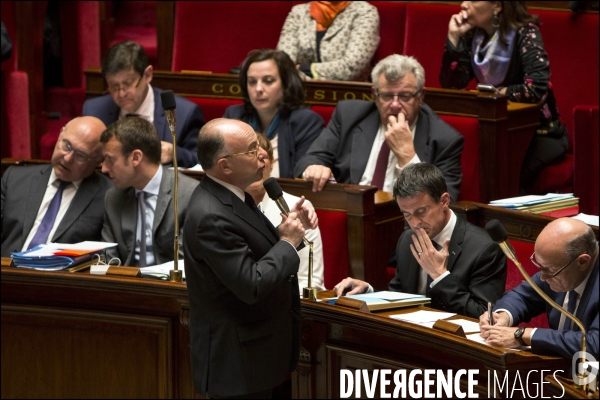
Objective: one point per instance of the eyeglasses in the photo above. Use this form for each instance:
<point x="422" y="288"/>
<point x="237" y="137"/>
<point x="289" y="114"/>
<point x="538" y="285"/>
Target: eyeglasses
<point x="126" y="86"/>
<point x="402" y="97"/>
<point x="78" y="156"/>
<point x="545" y="270"/>
<point x="254" y="152"/>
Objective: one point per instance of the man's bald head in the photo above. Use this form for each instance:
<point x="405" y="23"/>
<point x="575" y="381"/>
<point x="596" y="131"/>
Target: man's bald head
<point x="78" y="150"/>
<point x="563" y="241"/>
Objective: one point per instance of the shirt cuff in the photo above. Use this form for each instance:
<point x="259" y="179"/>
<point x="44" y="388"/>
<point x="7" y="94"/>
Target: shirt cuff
<point x="370" y="289"/>
<point x="510" y="317"/>
<point x="531" y="335"/>
<point x="414" y="160"/>
<point x="439" y="278"/>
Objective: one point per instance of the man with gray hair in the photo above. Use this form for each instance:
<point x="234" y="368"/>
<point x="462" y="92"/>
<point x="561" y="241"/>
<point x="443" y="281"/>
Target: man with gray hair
<point x="442" y="256"/>
<point x="369" y="143"/>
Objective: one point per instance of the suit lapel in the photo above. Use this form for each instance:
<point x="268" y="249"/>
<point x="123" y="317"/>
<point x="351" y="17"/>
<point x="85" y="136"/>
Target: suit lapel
<point x="456" y="240"/>
<point x="239" y="208"/>
<point x="554" y="314"/>
<point x="34" y="198"/>
<point x="421" y="141"/>
<point x="85" y="194"/>
<point x="160" y="119"/>
<point x="164" y="198"/>
<point x="363" y="137"/>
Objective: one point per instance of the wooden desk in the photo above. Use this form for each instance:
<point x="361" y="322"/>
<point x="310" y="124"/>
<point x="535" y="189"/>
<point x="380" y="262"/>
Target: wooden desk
<point x="76" y="335"/>
<point x="335" y="338"/>
<point x="506" y="129"/>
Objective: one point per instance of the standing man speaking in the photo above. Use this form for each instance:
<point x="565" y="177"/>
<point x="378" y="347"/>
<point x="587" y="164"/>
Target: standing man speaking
<point x="241" y="271"/>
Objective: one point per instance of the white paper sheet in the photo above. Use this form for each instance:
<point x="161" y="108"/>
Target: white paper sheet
<point x="468" y="326"/>
<point x="385" y="295"/>
<point x="588" y="219"/>
<point x="421" y="316"/>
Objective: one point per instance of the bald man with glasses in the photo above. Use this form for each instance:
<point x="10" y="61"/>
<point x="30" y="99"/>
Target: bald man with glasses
<point x="369" y="143"/>
<point x="58" y="202"/>
<point x="566" y="253"/>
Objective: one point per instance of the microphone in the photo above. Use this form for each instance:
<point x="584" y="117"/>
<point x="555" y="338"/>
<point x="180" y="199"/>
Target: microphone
<point x="168" y="102"/>
<point x="276" y="194"/>
<point x="499" y="235"/>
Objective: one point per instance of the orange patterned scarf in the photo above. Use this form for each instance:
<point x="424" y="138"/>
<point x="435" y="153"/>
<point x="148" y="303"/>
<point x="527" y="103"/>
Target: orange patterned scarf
<point x="324" y="12"/>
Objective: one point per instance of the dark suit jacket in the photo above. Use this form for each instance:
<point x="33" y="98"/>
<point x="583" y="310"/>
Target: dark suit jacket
<point x="477" y="271"/>
<point x="295" y="135"/>
<point x="345" y="145"/>
<point x="244" y="301"/>
<point x="524" y="303"/>
<point x="188" y="116"/>
<point x="23" y="190"/>
<point x="120" y="219"/>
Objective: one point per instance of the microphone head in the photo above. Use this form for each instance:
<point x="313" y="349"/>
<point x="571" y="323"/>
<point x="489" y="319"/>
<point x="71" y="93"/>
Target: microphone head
<point x="168" y="99"/>
<point x="496" y="231"/>
<point x="273" y="189"/>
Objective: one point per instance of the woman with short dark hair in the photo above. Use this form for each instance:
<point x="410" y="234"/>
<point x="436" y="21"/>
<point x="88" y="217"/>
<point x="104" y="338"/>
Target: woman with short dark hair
<point x="274" y="106"/>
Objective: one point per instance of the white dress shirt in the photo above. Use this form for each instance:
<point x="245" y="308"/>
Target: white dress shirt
<point x="151" y="198"/>
<point x="271" y="211"/>
<point x="393" y="169"/>
<point x="275" y="162"/>
<point x="51" y="189"/>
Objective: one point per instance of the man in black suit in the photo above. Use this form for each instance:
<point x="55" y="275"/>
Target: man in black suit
<point x="368" y="143"/>
<point x="128" y="75"/>
<point x="442" y="256"/>
<point x="70" y="186"/>
<point x="241" y="272"/>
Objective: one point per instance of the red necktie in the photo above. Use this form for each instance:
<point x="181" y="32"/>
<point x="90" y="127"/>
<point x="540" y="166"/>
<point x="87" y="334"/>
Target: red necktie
<point x="381" y="166"/>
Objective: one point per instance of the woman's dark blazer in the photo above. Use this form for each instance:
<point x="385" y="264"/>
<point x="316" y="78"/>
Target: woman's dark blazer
<point x="295" y="135"/>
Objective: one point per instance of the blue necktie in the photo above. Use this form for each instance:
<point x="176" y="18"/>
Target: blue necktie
<point x="41" y="236"/>
<point x="570" y="308"/>
<point x="142" y="207"/>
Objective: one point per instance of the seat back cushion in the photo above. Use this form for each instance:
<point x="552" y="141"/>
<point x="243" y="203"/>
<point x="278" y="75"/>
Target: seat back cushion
<point x="469" y="128"/>
<point x="571" y="41"/>
<point x="218" y="35"/>
<point x="392" y="15"/>
<point x="334" y="234"/>
<point x="585" y="154"/>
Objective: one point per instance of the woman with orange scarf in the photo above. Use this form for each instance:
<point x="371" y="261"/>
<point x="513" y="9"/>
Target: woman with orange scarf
<point x="333" y="40"/>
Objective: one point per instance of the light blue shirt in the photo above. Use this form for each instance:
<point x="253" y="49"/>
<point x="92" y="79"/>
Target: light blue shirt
<point x="151" y="196"/>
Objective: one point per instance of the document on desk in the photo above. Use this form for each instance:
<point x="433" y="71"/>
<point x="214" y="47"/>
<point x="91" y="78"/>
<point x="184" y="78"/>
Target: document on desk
<point x="468" y="326"/>
<point x="161" y="271"/>
<point x="422" y="316"/>
<point x="476" y="337"/>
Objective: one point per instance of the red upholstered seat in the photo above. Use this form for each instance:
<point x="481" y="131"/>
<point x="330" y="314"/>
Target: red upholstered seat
<point x="334" y="234"/>
<point x="213" y="108"/>
<point x="574" y="81"/>
<point x="218" y="35"/>
<point x="469" y="128"/>
<point x="16" y="137"/>
<point x="585" y="151"/>
<point x="426" y="28"/>
<point x="136" y="20"/>
<point x="324" y="111"/>
<point x="392" y="15"/>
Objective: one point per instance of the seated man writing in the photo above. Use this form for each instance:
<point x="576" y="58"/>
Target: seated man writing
<point x="442" y="256"/>
<point x="139" y="209"/>
<point x="59" y="202"/>
<point x="368" y="143"/>
<point x="566" y="252"/>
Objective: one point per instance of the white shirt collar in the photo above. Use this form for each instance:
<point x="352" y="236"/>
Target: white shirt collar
<point x="236" y="190"/>
<point x="446" y="233"/>
<point x="579" y="289"/>
<point x="153" y="187"/>
<point x="53" y="179"/>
